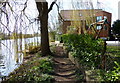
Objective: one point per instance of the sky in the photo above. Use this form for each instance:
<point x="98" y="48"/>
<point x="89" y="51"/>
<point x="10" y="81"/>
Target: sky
<point x="107" y="5"/>
<point x="112" y="7"/>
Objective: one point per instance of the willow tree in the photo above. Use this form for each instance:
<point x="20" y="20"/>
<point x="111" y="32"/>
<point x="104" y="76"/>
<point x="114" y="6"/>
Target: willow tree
<point x="82" y="16"/>
<point x="42" y="6"/>
<point x="15" y="23"/>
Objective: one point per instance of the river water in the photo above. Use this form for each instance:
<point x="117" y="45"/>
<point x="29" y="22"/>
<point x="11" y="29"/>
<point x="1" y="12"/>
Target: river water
<point x="10" y="59"/>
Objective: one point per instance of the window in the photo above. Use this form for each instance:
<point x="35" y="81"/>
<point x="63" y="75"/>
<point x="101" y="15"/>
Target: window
<point x="98" y="18"/>
<point x="99" y="27"/>
<point x="105" y="17"/>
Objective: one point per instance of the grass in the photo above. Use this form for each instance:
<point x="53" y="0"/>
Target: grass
<point x="113" y="54"/>
<point x="113" y="51"/>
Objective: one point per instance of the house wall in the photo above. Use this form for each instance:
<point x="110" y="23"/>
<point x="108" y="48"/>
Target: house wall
<point x="69" y="15"/>
<point x="105" y="33"/>
<point x="65" y="25"/>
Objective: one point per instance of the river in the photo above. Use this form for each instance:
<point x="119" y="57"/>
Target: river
<point x="10" y="59"/>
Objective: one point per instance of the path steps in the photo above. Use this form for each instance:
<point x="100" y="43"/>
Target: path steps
<point x="64" y="69"/>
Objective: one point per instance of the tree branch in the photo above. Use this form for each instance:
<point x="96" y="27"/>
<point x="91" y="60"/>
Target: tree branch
<point x="59" y="13"/>
<point x="51" y="6"/>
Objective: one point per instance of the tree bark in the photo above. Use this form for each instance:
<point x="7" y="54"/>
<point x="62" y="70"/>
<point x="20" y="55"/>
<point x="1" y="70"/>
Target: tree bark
<point x="43" y="17"/>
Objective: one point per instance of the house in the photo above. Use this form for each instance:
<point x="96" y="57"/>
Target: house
<point x="92" y="21"/>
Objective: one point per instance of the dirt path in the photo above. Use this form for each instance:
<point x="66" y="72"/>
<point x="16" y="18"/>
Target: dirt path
<point x="64" y="69"/>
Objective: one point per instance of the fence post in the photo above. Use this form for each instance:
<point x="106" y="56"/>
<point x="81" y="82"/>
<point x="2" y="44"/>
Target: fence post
<point x="104" y="56"/>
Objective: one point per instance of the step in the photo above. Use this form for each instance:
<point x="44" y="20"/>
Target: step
<point x="64" y="70"/>
<point x="63" y="63"/>
<point x="62" y="60"/>
<point x="66" y="74"/>
<point x="60" y="66"/>
<point x="59" y="79"/>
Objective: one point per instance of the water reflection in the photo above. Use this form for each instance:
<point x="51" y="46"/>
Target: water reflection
<point x="10" y="56"/>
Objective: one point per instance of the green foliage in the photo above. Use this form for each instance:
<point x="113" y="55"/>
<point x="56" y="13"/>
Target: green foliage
<point x="35" y="72"/>
<point x="113" y="75"/>
<point x="116" y="27"/>
<point x="46" y="66"/>
<point x="87" y="49"/>
<point x="52" y="36"/>
<point x="84" y="47"/>
<point x="58" y="37"/>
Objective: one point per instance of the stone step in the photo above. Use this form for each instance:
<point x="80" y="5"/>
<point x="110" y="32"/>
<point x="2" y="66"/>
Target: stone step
<point x="61" y="66"/>
<point x="61" y="56"/>
<point x="62" y="60"/>
<point x="64" y="70"/>
<point x="66" y="74"/>
<point x="63" y="63"/>
<point x="59" y="79"/>
<point x="72" y="77"/>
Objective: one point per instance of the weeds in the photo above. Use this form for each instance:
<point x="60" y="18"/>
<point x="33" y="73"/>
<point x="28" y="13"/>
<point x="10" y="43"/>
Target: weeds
<point x="33" y="71"/>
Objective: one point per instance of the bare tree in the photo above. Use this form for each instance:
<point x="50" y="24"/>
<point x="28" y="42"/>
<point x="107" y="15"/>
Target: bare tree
<point x="43" y="17"/>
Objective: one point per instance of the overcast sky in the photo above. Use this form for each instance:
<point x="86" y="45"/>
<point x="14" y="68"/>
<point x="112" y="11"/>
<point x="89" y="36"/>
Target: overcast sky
<point x="108" y="5"/>
<point x="112" y="7"/>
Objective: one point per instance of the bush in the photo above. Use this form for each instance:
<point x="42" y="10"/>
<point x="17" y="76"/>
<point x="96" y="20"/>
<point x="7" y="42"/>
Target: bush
<point x="84" y="47"/>
<point x="113" y="75"/>
<point x="46" y="66"/>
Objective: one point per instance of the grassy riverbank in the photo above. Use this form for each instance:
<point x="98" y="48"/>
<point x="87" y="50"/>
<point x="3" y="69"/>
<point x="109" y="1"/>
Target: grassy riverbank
<point x="48" y="69"/>
<point x="34" y="69"/>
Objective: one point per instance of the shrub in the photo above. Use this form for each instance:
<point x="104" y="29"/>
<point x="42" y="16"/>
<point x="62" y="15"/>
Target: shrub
<point x="84" y="47"/>
<point x="113" y="75"/>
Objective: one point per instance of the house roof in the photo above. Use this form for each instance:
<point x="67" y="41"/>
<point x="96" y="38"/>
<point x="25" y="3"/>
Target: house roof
<point x="81" y="14"/>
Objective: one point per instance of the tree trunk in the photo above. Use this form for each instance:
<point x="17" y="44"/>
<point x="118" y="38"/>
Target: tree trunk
<point x="43" y="17"/>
